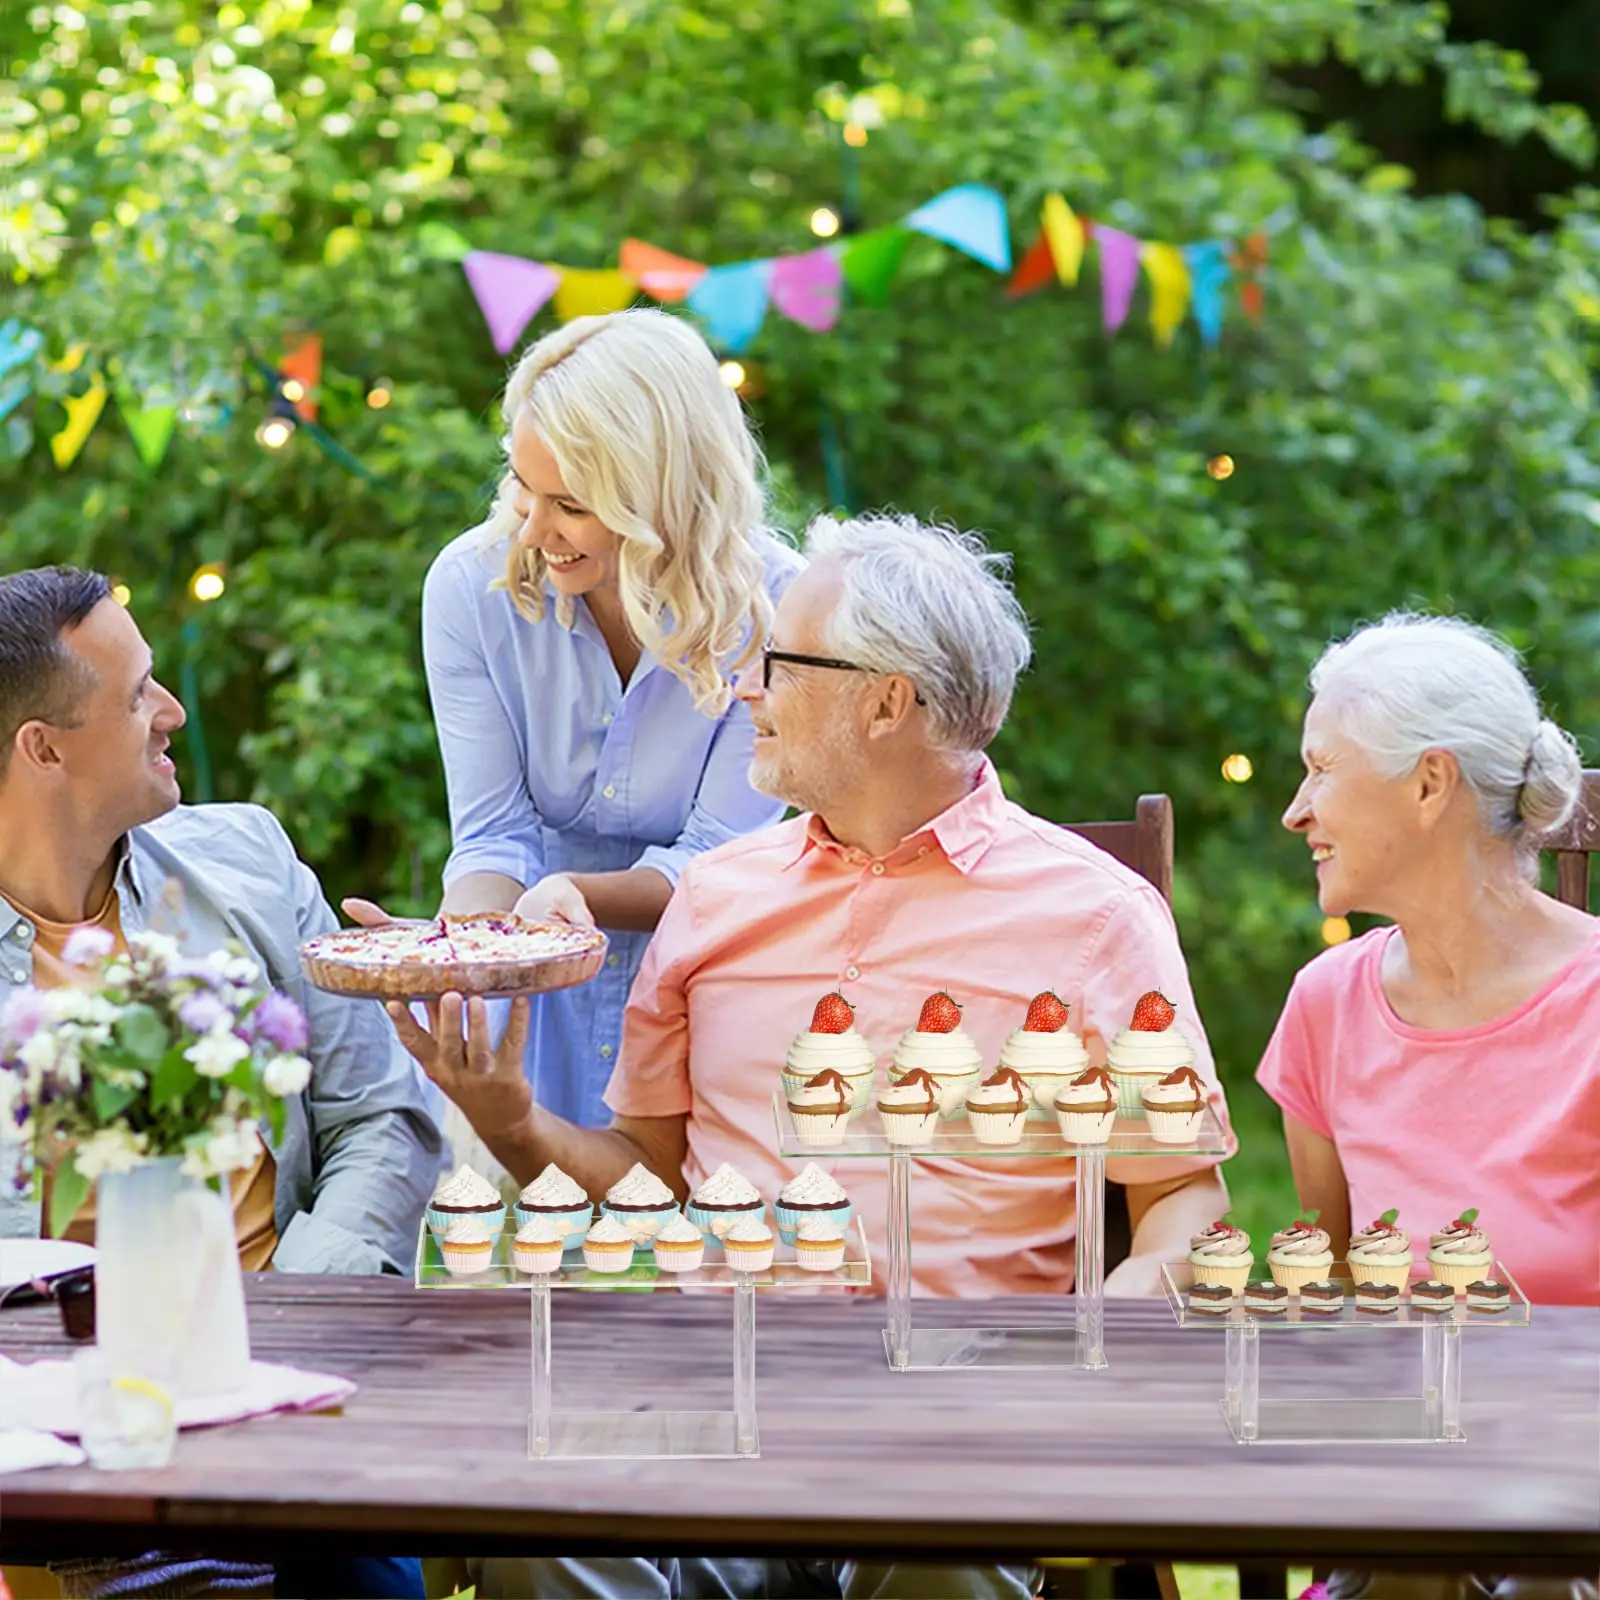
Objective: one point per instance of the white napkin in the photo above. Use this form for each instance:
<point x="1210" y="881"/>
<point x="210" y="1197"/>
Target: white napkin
<point x="44" y="1394"/>
<point x="21" y="1450"/>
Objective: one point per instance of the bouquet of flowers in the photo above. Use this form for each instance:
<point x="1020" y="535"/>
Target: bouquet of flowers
<point x="153" y="1054"/>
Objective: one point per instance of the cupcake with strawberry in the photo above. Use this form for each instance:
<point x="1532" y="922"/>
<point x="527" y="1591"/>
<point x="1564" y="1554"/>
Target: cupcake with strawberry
<point x="1380" y="1253"/>
<point x="1300" y="1254"/>
<point x="831" y="1044"/>
<point x="1044" y="1052"/>
<point x="939" y="1047"/>
<point x="1459" y="1253"/>
<point x="1144" y="1052"/>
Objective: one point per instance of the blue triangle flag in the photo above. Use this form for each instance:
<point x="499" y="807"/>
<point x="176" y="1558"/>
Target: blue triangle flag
<point x="1208" y="277"/>
<point x="733" y="301"/>
<point x="18" y="345"/>
<point x="972" y="217"/>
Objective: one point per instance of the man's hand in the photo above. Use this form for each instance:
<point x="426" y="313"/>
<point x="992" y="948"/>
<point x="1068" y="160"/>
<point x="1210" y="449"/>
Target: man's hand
<point x="1134" y="1278"/>
<point x="555" y="899"/>
<point x="487" y="1084"/>
<point x="366" y="912"/>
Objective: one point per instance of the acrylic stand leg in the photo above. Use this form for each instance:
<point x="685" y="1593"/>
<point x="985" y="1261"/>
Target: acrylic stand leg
<point x="1441" y="1381"/>
<point x="1241" y="1404"/>
<point x="1090" y="1282"/>
<point x="539" y="1423"/>
<point x="897" y="1337"/>
<point x="744" y="1367"/>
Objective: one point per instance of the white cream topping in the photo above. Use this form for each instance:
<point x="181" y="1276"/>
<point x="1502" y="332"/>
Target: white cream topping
<point x="908" y="1094"/>
<point x="1091" y="1095"/>
<point x="541" y="1230"/>
<point x="1468" y="1243"/>
<point x="468" y="1230"/>
<point x="845" y="1052"/>
<point x="818" y="1230"/>
<point x="1005" y="1096"/>
<point x="1044" y="1054"/>
<point x="639" y="1187"/>
<point x="944" y="1054"/>
<point x="607" y="1230"/>
<point x="678" y="1229"/>
<point x="820" y="1095"/>
<point x="1172" y="1094"/>
<point x="727" y="1186"/>
<point x="464" y="1187"/>
<point x="812" y="1187"/>
<point x="1300" y="1242"/>
<point x="1150" y="1052"/>
<point x="554" y="1188"/>
<point x="748" y="1230"/>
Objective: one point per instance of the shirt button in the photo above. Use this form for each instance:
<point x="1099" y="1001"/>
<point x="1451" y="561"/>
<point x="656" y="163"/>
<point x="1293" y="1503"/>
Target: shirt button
<point x="852" y="973"/>
<point x="19" y="977"/>
<point x="610" y="791"/>
<point x="605" y="721"/>
<point x="923" y="851"/>
<point x="605" y="1051"/>
<point x="611" y="960"/>
<point x="877" y="869"/>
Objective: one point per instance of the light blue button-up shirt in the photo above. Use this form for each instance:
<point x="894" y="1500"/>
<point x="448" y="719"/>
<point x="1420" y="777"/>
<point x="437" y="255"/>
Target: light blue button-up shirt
<point x="553" y="764"/>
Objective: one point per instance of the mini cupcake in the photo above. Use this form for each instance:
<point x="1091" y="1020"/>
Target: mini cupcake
<point x="1045" y="1053"/>
<point x="1146" y="1051"/>
<point x="1459" y="1254"/>
<point x="1221" y="1254"/>
<point x="1086" y="1107"/>
<point x="812" y="1193"/>
<point x="608" y="1246"/>
<point x="641" y="1202"/>
<point x="1300" y="1254"/>
<point x="721" y="1200"/>
<point x="466" y="1193"/>
<point x="539" y="1244"/>
<point x="909" y="1109"/>
<point x="819" y="1245"/>
<point x="939" y="1047"/>
<point x="821" y="1111"/>
<point x="1175" y="1107"/>
<point x="831" y="1044"/>
<point x="679" y="1246"/>
<point x="747" y="1246"/>
<point x="997" y="1110"/>
<point x="1381" y="1253"/>
<point x="558" y="1198"/>
<point x="467" y="1247"/>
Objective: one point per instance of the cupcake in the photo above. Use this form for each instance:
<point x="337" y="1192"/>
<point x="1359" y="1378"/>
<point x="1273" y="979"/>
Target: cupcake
<point x="467" y="1246"/>
<point x="1300" y="1254"/>
<point x="997" y="1110"/>
<point x="1146" y="1050"/>
<point x="679" y="1246"/>
<point x="1381" y="1253"/>
<point x="608" y="1246"/>
<point x="538" y="1245"/>
<point x="821" y="1110"/>
<point x="811" y="1193"/>
<point x="819" y="1245"/>
<point x="831" y="1044"/>
<point x="721" y="1200"/>
<point x="939" y="1047"/>
<point x="466" y="1193"/>
<point x="1175" y="1107"/>
<point x="1045" y="1053"/>
<point x="557" y="1198"/>
<point x="909" y="1109"/>
<point x="641" y="1202"/>
<point x="1460" y="1253"/>
<point x="747" y="1246"/>
<point x="1086" y="1107"/>
<point x="1221" y="1254"/>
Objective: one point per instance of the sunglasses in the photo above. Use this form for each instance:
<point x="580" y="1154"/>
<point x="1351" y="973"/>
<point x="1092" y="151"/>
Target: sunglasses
<point x="72" y="1291"/>
<point x="830" y="663"/>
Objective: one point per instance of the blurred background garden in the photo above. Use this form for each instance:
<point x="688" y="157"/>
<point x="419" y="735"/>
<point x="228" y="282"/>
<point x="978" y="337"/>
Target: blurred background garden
<point x="1378" y="388"/>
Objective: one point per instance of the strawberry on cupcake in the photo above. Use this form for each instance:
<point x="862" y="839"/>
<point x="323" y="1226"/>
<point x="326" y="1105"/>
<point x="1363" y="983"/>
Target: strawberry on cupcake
<point x="1144" y="1052"/>
<point x="1044" y="1052"/>
<point x="939" y="1047"/>
<point x="831" y="1044"/>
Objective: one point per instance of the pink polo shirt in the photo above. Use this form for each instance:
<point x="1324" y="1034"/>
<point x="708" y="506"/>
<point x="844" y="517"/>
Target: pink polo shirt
<point x="988" y="901"/>
<point x="1504" y="1116"/>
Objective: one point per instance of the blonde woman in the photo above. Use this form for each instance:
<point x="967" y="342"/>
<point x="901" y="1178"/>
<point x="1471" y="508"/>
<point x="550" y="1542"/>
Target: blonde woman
<point x="578" y="648"/>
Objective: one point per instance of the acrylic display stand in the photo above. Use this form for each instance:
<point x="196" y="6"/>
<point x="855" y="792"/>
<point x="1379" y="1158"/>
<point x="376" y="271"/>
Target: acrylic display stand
<point x="642" y="1434"/>
<point x="1082" y="1344"/>
<point x="1431" y="1415"/>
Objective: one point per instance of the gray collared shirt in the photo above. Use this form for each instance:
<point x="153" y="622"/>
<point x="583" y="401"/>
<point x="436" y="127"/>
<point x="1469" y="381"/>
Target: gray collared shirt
<point x="361" y="1148"/>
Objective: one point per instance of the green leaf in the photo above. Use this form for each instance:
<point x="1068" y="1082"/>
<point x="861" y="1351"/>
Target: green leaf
<point x="68" y="1190"/>
<point x="1468" y="1217"/>
<point x="1389" y="1216"/>
<point x="141" y="1032"/>
<point x="110" y="1102"/>
<point x="172" y="1079"/>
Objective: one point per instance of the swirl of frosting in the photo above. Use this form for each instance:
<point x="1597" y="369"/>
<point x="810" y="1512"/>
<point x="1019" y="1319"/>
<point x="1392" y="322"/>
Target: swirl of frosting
<point x="553" y="1188"/>
<point x="1458" y="1241"/>
<point x="1089" y="1091"/>
<point x="812" y="1187"/>
<point x="1003" y="1090"/>
<point x="916" y="1091"/>
<point x="748" y="1230"/>
<point x="468" y="1230"/>
<point x="542" y="1230"/>
<point x="827" y="1091"/>
<point x="678" y="1229"/>
<point x="1150" y="1052"/>
<point x="1178" y="1091"/>
<point x="818" y="1230"/>
<point x="943" y="1054"/>
<point x="1039" y="1053"/>
<point x="639" y="1187"/>
<point x="607" y="1230"/>
<point x="464" y="1187"/>
<point x="1220" y="1241"/>
<point x="845" y="1052"/>
<point x="1382" y="1239"/>
<point x="1301" y="1240"/>
<point x="726" y="1187"/>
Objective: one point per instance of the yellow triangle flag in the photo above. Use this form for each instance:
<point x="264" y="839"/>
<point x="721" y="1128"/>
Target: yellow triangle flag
<point x="1064" y="230"/>
<point x="1169" y="289"/>
<point x="83" y="411"/>
<point x="583" y="293"/>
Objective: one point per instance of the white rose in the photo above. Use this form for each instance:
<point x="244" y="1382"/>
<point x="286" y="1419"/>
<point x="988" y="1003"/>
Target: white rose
<point x="287" y="1075"/>
<point x="217" y="1053"/>
<point x="232" y="1147"/>
<point x="113" y="1149"/>
<point x="39" y="1055"/>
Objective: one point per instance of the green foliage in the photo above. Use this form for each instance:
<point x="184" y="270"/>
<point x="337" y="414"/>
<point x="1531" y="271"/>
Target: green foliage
<point x="1412" y="421"/>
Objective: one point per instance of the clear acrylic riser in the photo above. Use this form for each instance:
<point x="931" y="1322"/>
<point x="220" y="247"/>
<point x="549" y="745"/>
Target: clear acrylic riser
<point x="1429" y="1415"/>
<point x="645" y="1434"/>
<point x="1078" y="1345"/>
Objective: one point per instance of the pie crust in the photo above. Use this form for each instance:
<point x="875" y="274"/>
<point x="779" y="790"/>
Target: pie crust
<point x="491" y="954"/>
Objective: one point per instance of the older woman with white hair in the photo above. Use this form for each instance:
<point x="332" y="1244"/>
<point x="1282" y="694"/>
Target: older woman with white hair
<point x="1449" y="1061"/>
<point x="579" y="646"/>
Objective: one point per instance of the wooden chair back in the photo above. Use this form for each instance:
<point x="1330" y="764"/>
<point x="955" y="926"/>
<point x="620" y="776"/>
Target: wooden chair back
<point x="1574" y="842"/>
<point x="1145" y="844"/>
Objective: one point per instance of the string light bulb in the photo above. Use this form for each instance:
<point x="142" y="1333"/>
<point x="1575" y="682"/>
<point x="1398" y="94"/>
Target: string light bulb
<point x="275" y="433"/>
<point x="380" y="394"/>
<point x="292" y="390"/>
<point x="122" y="594"/>
<point x="208" y="584"/>
<point x="1335" y="930"/>
<point x="1220" y="467"/>
<point x="1238" y="768"/>
<point x="824" y="222"/>
<point x="854" y="135"/>
<point x="732" y="374"/>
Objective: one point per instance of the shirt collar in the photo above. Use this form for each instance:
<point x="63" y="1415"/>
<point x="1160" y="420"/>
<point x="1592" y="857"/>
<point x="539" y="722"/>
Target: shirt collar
<point x="963" y="831"/>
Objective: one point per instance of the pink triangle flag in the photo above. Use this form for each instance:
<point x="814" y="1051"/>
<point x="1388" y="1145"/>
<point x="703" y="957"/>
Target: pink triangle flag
<point x="1119" y="273"/>
<point x="510" y="292"/>
<point x="806" y="288"/>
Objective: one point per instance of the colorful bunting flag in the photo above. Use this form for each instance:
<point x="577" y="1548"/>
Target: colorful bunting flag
<point x="14" y="389"/>
<point x="869" y="262"/>
<point x="1066" y="234"/>
<point x="18" y="345"/>
<point x="1208" y="277"/>
<point x="303" y="362"/>
<point x="1251" y="260"/>
<point x="807" y="288"/>
<point x="1169" y="289"/>
<point x="1036" y="269"/>
<point x="733" y="301"/>
<point x="151" y="426"/>
<point x="972" y="217"/>
<point x="586" y="293"/>
<point x="83" y="411"/>
<point x="659" y="273"/>
<point x="510" y="291"/>
<point x="1119" y="273"/>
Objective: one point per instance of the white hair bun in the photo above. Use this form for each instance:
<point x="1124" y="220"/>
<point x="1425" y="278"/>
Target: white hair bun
<point x="1553" y="780"/>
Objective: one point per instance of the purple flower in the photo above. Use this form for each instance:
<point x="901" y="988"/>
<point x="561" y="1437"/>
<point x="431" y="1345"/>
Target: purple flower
<point x="281" y="1023"/>
<point x="23" y="1016"/>
<point x="87" y="945"/>
<point x="200" y="1013"/>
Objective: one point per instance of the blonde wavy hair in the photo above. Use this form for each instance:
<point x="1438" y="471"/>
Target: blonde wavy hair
<point x="651" y="440"/>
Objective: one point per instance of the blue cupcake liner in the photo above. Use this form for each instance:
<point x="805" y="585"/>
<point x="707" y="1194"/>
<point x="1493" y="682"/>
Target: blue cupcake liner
<point x="576" y="1220"/>
<point x="704" y="1216"/>
<point x="789" y="1219"/>
<point x="623" y="1217"/>
<point x="494" y="1220"/>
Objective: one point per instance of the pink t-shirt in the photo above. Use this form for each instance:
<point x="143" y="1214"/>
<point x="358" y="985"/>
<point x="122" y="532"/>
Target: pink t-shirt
<point x="1504" y="1116"/>
<point x="987" y="901"/>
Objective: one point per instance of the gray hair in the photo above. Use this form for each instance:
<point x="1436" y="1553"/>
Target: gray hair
<point x="1410" y="683"/>
<point x="934" y="604"/>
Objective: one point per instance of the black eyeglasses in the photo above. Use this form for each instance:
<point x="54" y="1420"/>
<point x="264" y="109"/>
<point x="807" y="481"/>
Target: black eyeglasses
<point x="831" y="663"/>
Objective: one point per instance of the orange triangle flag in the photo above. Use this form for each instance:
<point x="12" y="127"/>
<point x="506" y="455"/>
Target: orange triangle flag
<point x="304" y="363"/>
<point x="659" y="273"/>
<point x="1035" y="270"/>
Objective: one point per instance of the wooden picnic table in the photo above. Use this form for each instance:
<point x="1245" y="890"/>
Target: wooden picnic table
<point x="429" y="1456"/>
